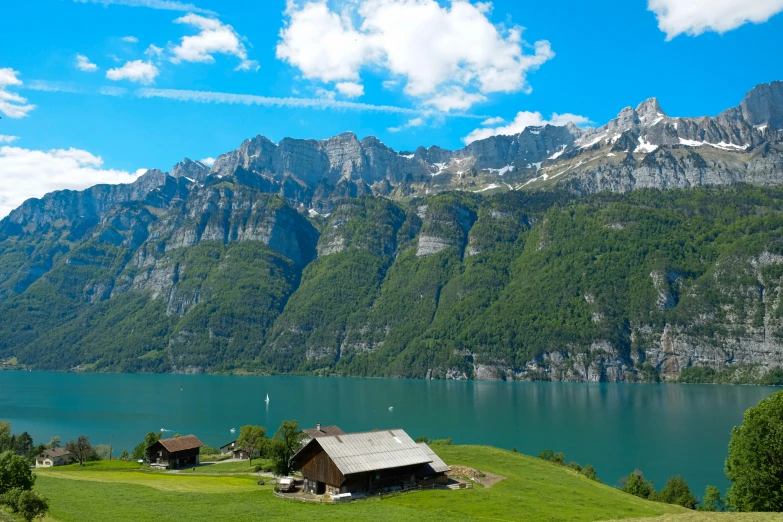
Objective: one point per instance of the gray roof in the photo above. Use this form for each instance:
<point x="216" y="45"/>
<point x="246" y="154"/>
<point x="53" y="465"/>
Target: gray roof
<point x="325" y="431"/>
<point x="437" y="465"/>
<point x="372" y="450"/>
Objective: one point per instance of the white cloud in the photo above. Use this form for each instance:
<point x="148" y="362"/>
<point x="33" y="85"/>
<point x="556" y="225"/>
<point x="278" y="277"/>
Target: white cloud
<point x="493" y="121"/>
<point x="215" y="37"/>
<point x="8" y="139"/>
<point x="208" y="161"/>
<point x="11" y="104"/>
<point x="153" y="51"/>
<point x="323" y="102"/>
<point x="84" y="63"/>
<point x="432" y="47"/>
<point x="168" y="5"/>
<point x="415" y="122"/>
<point x="350" y="89"/>
<point x="130" y="39"/>
<point x="694" y="17"/>
<point x="522" y="120"/>
<point x="33" y="173"/>
<point x="135" y="71"/>
<point x="454" y="98"/>
<point x="390" y="84"/>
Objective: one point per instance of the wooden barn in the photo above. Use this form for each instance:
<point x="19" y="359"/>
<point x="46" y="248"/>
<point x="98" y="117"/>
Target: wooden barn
<point x="175" y="453"/>
<point x="366" y="462"/>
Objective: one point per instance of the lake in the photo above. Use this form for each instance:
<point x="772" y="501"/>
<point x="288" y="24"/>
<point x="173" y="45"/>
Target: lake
<point x="663" y="430"/>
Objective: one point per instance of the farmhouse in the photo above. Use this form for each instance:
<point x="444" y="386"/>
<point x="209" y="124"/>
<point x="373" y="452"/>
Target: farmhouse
<point x="366" y="462"/>
<point x="175" y="453"/>
<point x="321" y="431"/>
<point x="52" y="457"/>
<point x="228" y="449"/>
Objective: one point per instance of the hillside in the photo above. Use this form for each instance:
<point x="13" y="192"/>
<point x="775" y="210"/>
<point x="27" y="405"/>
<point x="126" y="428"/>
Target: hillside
<point x="548" y="285"/>
<point x="534" y="490"/>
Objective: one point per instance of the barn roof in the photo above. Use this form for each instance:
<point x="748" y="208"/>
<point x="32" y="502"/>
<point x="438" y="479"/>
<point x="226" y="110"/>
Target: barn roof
<point x="372" y="451"/>
<point x="437" y="465"/>
<point x="325" y="431"/>
<point x="187" y="442"/>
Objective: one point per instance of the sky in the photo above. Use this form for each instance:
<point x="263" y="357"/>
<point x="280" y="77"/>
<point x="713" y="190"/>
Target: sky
<point x="98" y="91"/>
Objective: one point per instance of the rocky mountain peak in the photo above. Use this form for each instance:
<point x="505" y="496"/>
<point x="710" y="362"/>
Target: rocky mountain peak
<point x="650" y="111"/>
<point x="187" y="168"/>
<point x="763" y="105"/>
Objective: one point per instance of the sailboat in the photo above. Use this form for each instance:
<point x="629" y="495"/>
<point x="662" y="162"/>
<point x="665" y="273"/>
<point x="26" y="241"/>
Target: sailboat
<point x="267" y="398"/>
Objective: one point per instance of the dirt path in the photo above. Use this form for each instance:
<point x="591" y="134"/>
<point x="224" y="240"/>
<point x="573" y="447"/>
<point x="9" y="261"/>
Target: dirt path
<point x="485" y="478"/>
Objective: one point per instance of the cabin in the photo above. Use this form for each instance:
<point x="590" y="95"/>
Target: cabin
<point x="367" y="462"/>
<point x="175" y="453"/>
<point x="320" y="431"/>
<point x="52" y="457"/>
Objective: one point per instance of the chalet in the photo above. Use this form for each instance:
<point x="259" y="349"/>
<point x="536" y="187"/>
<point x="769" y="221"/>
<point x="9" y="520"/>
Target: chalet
<point x="320" y="431"/>
<point x="228" y="449"/>
<point x="366" y="462"/>
<point x="52" y="457"/>
<point x="175" y="453"/>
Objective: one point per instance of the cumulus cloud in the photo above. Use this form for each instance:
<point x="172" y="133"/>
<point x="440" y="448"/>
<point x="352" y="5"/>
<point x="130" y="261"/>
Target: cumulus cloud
<point x="431" y="47"/>
<point x="8" y="139"/>
<point x="84" y="64"/>
<point x="214" y="37"/>
<point x="523" y="120"/>
<point x="208" y="161"/>
<point x="415" y="122"/>
<point x="11" y="104"/>
<point x="454" y="98"/>
<point x="493" y="121"/>
<point x="33" y="173"/>
<point x="130" y="39"/>
<point x="135" y="71"/>
<point x="350" y="89"/>
<point x="694" y="17"/>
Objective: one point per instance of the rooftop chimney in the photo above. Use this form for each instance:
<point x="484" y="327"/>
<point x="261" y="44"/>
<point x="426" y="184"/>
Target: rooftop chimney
<point x="318" y="426"/>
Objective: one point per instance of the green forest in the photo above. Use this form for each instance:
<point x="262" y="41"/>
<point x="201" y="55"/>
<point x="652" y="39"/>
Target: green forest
<point x="645" y="286"/>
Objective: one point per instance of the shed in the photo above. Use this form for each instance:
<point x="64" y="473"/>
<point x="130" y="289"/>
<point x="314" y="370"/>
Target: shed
<point x="175" y="453"/>
<point x="365" y="462"/>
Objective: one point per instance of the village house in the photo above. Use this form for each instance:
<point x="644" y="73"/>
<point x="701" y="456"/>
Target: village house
<point x="52" y="457"/>
<point x="228" y="449"/>
<point x="236" y="452"/>
<point x="367" y="462"/>
<point x="175" y="453"/>
<point x="319" y="431"/>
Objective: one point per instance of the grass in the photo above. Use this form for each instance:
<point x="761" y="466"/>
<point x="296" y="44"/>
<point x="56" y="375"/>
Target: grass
<point x="701" y="516"/>
<point x="534" y="490"/>
<point x="229" y="467"/>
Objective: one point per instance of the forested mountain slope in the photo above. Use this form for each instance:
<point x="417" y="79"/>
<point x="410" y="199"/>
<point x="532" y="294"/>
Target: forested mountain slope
<point x="219" y="276"/>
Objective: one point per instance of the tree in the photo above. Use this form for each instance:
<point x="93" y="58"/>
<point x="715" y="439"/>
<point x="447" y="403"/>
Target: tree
<point x="637" y="485"/>
<point x="285" y="444"/>
<point x="755" y="462"/>
<point x="14" y="472"/>
<point x="125" y="455"/>
<point x="589" y="472"/>
<point x="22" y="444"/>
<point x="55" y="443"/>
<point x="80" y="449"/>
<point x="103" y="452"/>
<point x="712" y="501"/>
<point x="547" y="454"/>
<point x="252" y="439"/>
<point x="31" y="505"/>
<point x="676" y="491"/>
<point x="140" y="451"/>
<point x="5" y="428"/>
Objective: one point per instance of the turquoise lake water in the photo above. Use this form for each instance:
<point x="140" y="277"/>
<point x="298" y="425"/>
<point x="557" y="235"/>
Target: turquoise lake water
<point x="663" y="430"/>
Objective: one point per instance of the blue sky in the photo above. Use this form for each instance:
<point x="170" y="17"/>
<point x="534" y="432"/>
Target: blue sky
<point x="338" y="61"/>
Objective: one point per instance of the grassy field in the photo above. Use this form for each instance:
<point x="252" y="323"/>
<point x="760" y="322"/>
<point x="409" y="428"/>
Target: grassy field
<point x="229" y="467"/>
<point x="534" y="490"/>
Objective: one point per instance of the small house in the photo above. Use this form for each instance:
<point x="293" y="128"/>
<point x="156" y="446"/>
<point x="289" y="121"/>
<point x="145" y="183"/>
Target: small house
<point x="175" y="453"/>
<point x="52" y="457"/>
<point x="228" y="449"/>
<point x="320" y="431"/>
<point x="367" y="462"/>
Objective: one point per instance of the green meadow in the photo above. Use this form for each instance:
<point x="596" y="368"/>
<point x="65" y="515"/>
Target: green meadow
<point x="533" y="490"/>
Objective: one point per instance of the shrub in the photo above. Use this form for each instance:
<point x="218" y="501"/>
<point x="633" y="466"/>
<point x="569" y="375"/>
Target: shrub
<point x="638" y="486"/>
<point x="676" y="491"/>
<point x="14" y="472"/>
<point x="754" y="466"/>
<point x="31" y="505"/>
<point x="442" y="442"/>
<point x="589" y="472"/>
<point x="547" y="455"/>
<point x="712" y="501"/>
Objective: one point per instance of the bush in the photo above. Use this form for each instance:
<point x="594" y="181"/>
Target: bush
<point x="14" y="472"/>
<point x="443" y="442"/>
<point x="712" y="501"/>
<point x="754" y="465"/>
<point x="676" y="491"/>
<point x="638" y="486"/>
<point x="547" y="455"/>
<point x="559" y="458"/>
<point x="31" y="505"/>
<point x="589" y="472"/>
<point x="11" y="498"/>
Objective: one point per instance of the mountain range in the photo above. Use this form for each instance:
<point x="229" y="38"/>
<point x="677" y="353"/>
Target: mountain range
<point x="558" y="253"/>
